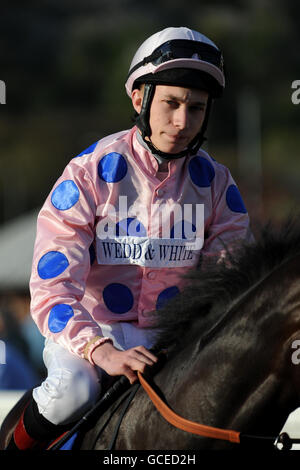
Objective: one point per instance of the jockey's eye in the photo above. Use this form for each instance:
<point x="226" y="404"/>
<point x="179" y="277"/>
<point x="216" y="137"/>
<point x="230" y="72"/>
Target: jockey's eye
<point x="197" y="108"/>
<point x="172" y="104"/>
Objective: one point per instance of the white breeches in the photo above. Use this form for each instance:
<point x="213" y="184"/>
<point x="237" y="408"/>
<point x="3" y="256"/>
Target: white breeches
<point x="73" y="385"/>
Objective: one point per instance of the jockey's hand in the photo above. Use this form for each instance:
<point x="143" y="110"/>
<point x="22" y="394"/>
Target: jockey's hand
<point x="116" y="362"/>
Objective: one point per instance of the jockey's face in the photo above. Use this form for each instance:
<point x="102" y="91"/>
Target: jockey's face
<point x="176" y="115"/>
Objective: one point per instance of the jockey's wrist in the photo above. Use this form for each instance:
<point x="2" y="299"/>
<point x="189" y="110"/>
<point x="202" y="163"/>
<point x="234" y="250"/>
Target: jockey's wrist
<point x="94" y="344"/>
<point x="103" y="353"/>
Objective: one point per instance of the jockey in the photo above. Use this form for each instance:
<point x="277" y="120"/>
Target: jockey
<point x="102" y="261"/>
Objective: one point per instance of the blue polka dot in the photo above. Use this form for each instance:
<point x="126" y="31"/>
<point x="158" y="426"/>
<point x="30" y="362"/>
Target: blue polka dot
<point x="118" y="298"/>
<point x="90" y="149"/>
<point x="65" y="195"/>
<point x="112" y="167"/>
<point x="52" y="264"/>
<point x="234" y="200"/>
<point x="130" y="227"/>
<point x="201" y="172"/>
<point x="186" y="229"/>
<point x="59" y="317"/>
<point x="166" y="295"/>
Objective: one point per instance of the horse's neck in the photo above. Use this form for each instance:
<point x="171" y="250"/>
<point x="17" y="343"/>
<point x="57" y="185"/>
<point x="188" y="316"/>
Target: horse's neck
<point x="228" y="388"/>
<point x="240" y="377"/>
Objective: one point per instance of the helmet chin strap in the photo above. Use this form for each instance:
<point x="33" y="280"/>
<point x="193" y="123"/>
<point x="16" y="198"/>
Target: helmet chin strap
<point x="143" y="123"/>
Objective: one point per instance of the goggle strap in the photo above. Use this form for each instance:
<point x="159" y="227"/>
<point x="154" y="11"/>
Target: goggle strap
<point x="194" y="47"/>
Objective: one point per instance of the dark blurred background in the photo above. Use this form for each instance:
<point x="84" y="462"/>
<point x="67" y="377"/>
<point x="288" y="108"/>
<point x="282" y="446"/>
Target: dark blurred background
<point x="64" y="63"/>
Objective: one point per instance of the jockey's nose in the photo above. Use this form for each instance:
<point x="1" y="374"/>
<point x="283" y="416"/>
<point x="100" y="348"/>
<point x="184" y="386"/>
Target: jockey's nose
<point x="181" y="117"/>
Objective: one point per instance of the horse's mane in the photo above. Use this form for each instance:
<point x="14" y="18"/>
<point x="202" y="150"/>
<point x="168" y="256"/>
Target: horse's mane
<point x="218" y="285"/>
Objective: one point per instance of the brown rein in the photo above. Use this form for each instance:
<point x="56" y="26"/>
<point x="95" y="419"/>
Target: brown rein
<point x="179" y="422"/>
<point x="283" y="440"/>
<point x="185" y="424"/>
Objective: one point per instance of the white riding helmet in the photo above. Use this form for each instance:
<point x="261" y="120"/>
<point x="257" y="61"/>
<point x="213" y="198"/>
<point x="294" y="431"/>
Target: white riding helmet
<point x="174" y="48"/>
<point x="178" y="57"/>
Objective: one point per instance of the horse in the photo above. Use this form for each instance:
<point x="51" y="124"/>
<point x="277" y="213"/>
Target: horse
<point x="227" y="343"/>
<point x="229" y="339"/>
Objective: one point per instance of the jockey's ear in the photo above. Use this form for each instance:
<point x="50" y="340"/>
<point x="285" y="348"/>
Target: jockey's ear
<point x="137" y="98"/>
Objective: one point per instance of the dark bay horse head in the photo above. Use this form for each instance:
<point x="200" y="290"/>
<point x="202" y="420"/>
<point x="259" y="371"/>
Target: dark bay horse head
<point x="230" y="338"/>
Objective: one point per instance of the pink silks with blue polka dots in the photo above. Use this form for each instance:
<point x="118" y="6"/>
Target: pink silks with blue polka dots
<point x="105" y="251"/>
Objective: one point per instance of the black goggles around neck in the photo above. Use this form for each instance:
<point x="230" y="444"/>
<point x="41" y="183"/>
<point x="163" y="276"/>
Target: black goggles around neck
<point x="182" y="49"/>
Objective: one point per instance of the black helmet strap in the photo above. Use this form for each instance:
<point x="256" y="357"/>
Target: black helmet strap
<point x="143" y="118"/>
